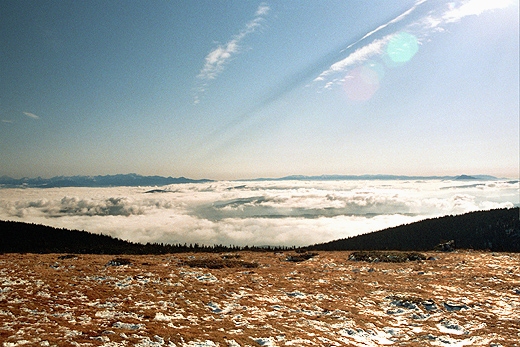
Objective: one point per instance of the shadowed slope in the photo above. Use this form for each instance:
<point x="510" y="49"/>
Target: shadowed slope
<point x="496" y="230"/>
<point x="19" y="237"/>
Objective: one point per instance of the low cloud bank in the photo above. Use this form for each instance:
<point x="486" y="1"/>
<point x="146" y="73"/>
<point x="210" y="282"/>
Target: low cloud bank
<point x="252" y="213"/>
<point x="74" y="206"/>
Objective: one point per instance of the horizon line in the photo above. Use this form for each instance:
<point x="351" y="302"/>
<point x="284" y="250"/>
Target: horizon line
<point x="258" y="178"/>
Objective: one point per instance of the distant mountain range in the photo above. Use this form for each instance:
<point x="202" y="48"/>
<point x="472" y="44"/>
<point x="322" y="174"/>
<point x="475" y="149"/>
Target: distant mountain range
<point x="376" y="177"/>
<point x="134" y="180"/>
<point x="130" y="180"/>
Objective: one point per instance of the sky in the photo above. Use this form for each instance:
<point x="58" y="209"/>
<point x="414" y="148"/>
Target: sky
<point x="241" y="89"/>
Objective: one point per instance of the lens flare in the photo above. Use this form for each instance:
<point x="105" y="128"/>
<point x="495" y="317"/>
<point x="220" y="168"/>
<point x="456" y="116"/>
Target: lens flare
<point x="402" y="47"/>
<point x="362" y="82"/>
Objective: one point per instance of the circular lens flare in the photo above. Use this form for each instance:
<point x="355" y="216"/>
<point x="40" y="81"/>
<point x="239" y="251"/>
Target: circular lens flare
<point x="402" y="47"/>
<point x="362" y="82"/>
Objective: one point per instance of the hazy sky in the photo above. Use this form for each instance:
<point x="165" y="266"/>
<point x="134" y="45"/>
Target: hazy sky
<point x="237" y="89"/>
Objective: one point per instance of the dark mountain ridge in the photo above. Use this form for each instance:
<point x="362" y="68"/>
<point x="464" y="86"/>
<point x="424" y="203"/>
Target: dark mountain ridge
<point x="19" y="237"/>
<point x="495" y="230"/>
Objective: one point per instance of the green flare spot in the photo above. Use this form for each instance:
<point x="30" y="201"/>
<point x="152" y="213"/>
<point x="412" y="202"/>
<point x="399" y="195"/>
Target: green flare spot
<point x="402" y="47"/>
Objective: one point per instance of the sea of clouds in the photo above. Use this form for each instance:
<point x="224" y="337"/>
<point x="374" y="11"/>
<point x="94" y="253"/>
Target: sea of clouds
<point x="252" y="212"/>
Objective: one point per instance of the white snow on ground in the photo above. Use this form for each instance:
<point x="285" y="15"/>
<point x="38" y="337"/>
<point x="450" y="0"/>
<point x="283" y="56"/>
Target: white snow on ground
<point x="277" y="304"/>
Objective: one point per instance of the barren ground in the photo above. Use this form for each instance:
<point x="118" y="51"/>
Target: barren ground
<point x="460" y="299"/>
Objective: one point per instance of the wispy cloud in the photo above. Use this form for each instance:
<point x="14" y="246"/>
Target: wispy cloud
<point x="395" y="20"/>
<point x="474" y="8"/>
<point x="262" y="10"/>
<point x="376" y="47"/>
<point x="31" y="115"/>
<point x="220" y="56"/>
<point x="422" y="24"/>
<point x="360" y="55"/>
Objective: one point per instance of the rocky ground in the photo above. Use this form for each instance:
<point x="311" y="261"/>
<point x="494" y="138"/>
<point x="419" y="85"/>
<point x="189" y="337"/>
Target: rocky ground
<point x="259" y="299"/>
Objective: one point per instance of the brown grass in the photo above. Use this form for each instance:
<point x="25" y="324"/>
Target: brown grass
<point x="329" y="301"/>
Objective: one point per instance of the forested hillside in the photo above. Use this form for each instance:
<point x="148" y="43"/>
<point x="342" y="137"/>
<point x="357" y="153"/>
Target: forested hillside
<point x="18" y="237"/>
<point x="495" y="230"/>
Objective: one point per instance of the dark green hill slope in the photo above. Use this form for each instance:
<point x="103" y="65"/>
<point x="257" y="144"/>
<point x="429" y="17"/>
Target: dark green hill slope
<point x="18" y="237"/>
<point x="495" y="230"/>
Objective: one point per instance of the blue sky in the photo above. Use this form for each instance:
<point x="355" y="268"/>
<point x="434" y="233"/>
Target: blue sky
<point x="242" y="89"/>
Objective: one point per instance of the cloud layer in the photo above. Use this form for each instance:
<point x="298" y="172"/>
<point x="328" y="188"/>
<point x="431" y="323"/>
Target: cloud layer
<point x="251" y="213"/>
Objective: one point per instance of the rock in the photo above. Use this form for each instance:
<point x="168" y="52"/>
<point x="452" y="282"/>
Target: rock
<point x="398" y="311"/>
<point x="448" y="246"/>
<point x="300" y="257"/>
<point x="455" y="307"/>
<point x="264" y="341"/>
<point x="119" y="262"/>
<point x="207" y="278"/>
<point x="127" y="326"/>
<point x="403" y="303"/>
<point x="386" y="256"/>
<point x="420" y="316"/>
<point x="429" y="305"/>
<point x="68" y="256"/>
<point x="450" y="327"/>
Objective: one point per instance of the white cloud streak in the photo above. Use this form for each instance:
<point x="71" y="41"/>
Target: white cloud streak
<point x="474" y="8"/>
<point x="360" y="55"/>
<point x="373" y="48"/>
<point x="219" y="57"/>
<point x="31" y="115"/>
<point x="422" y="26"/>
<point x="395" y="20"/>
<point x="251" y="213"/>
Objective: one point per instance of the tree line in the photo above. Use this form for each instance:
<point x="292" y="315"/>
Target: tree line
<point x="19" y="237"/>
<point x="494" y="230"/>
